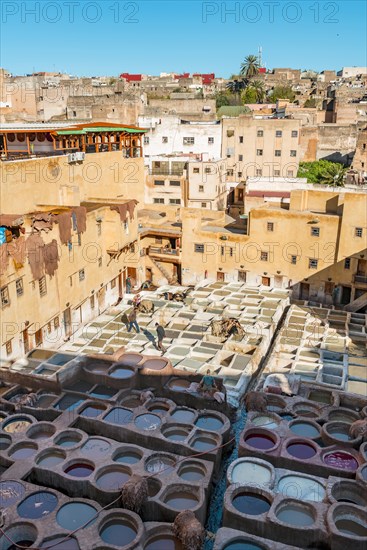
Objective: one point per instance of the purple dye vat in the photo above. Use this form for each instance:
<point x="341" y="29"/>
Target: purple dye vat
<point x="260" y="441"/>
<point x="80" y="469"/>
<point x="341" y="460"/>
<point x="301" y="450"/>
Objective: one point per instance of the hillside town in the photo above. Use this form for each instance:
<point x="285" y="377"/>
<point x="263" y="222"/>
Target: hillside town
<point x="183" y="286"/>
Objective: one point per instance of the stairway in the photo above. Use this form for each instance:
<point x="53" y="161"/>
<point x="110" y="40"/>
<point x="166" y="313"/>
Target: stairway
<point x="164" y="271"/>
<point x="357" y="304"/>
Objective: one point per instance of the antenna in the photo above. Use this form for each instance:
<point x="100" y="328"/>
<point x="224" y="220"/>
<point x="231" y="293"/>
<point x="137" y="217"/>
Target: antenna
<point x="260" y="56"/>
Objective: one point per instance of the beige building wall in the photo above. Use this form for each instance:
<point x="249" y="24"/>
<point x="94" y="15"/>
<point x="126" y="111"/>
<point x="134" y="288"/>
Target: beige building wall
<point x="207" y="185"/>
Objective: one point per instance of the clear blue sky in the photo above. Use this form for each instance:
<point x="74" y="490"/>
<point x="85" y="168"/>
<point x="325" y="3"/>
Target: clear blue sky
<point x="107" y="37"/>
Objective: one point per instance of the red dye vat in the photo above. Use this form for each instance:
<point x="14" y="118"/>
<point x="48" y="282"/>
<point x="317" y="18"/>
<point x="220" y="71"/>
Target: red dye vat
<point x="260" y="441"/>
<point x="341" y="459"/>
<point x="301" y="450"/>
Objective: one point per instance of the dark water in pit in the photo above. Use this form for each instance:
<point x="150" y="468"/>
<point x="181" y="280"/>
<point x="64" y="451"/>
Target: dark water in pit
<point x="64" y="544"/>
<point x="182" y="415"/>
<point x="75" y="515"/>
<point x="211" y="423"/>
<point x="304" y="429"/>
<point x="5" y="442"/>
<point x="242" y="545"/>
<point x="68" y="403"/>
<point x="79" y="470"/>
<point x="302" y="451"/>
<point x="295" y="516"/>
<point x="119" y="415"/>
<point x="128" y="458"/>
<point x="158" y="410"/>
<point x="25" y="543"/>
<point x="68" y="441"/>
<point x="93" y="411"/>
<point x="23" y="453"/>
<point x="191" y="473"/>
<point x="37" y="505"/>
<point x="117" y="533"/>
<point x="112" y="480"/>
<point x="10" y="493"/>
<point x="259" y="441"/>
<point x="147" y="422"/>
<point x="179" y="384"/>
<point x="96" y="447"/>
<point x="103" y="392"/>
<point x="81" y="386"/>
<point x="251" y="504"/>
<point x="203" y="444"/>
<point x="122" y="373"/>
<point x="50" y="459"/>
<point x="163" y="542"/>
<point x="181" y="501"/>
<point x="350" y="527"/>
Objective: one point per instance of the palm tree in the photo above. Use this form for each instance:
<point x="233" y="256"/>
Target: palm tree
<point x="259" y="88"/>
<point x="250" y="67"/>
<point x="334" y="175"/>
<point x="236" y="86"/>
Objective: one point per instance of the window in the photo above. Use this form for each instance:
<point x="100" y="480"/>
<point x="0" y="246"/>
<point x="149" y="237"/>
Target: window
<point x="290" y="173"/>
<point x="146" y="140"/>
<point x="270" y="226"/>
<point x="278" y="133"/>
<point x="199" y="248"/>
<point x="74" y="113"/>
<point x="203" y="205"/>
<point x="8" y="347"/>
<point x="230" y="172"/>
<point x="315" y="232"/>
<point x="293" y="260"/>
<point x="240" y="158"/>
<point x="5" y="300"/>
<point x="259" y="152"/>
<point x="260" y="133"/>
<point x="293" y="153"/>
<point x="19" y="287"/>
<point x="347" y="263"/>
<point x="158" y="240"/>
<point x="164" y="139"/>
<point x="71" y="280"/>
<point x="92" y="302"/>
<point x="99" y="229"/>
<point x="358" y="232"/>
<point x="201" y="188"/>
<point x="207" y="170"/>
<point x="259" y="172"/>
<point x="196" y="170"/>
<point x="42" y="286"/>
<point x="364" y="146"/>
<point x="113" y="283"/>
<point x="312" y="263"/>
<point x="175" y="183"/>
<point x="264" y="256"/>
<point x="49" y="328"/>
<point x="278" y="152"/>
<point x="56" y="323"/>
<point x="188" y="141"/>
<point x="241" y="139"/>
<point x="231" y="252"/>
<point x="276" y="173"/>
<point x="294" y="133"/>
<point x="81" y="275"/>
<point x="100" y="261"/>
<point x="158" y="201"/>
<point x="210" y="140"/>
<point x="158" y="182"/>
<point x="175" y="201"/>
<point x="222" y="250"/>
<point x="239" y="174"/>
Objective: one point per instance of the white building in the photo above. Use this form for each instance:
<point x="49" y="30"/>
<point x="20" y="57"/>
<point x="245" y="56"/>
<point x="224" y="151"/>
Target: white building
<point x="351" y="72"/>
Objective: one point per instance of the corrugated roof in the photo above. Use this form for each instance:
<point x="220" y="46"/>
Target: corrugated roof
<point x="100" y="129"/>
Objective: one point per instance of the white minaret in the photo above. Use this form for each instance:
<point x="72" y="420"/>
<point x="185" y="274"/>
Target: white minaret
<point x="260" y="56"/>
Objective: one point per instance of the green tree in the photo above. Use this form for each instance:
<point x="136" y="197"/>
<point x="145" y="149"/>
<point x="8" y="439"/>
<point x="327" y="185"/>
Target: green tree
<point x="250" y="67"/>
<point x="259" y="89"/>
<point x="249" y="95"/>
<point x="310" y="102"/>
<point x="323" y="171"/>
<point x="221" y="100"/>
<point x="236" y="87"/>
<point x="282" y="92"/>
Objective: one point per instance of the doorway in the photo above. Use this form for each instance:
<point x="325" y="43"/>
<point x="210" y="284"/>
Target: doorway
<point x="38" y="339"/>
<point x="220" y="277"/>
<point x="265" y="281"/>
<point x="67" y="322"/>
<point x="346" y="295"/>
<point x="278" y="281"/>
<point x="25" y="340"/>
<point x="362" y="267"/>
<point x="242" y="276"/>
<point x="304" y="291"/>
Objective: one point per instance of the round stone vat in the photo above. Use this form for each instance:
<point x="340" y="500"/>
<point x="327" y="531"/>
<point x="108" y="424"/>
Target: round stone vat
<point x="21" y="534"/>
<point x="349" y="521"/>
<point x="301" y="487"/>
<point x="2" y="416"/>
<point x="96" y="447"/>
<point x="260" y="439"/>
<point x="203" y="443"/>
<point x="68" y="439"/>
<point x="10" y="493"/>
<point x="251" y="471"/>
<point x="93" y="410"/>
<point x="183" y="415"/>
<point x="348" y="491"/>
<point x="268" y="421"/>
<point x="243" y="544"/>
<point x="155" y="364"/>
<point x="179" y="384"/>
<point x="159" y="463"/>
<point x="119" y="416"/>
<point x="16" y="424"/>
<point x="60" y="542"/>
<point x="163" y="542"/>
<point x="306" y="409"/>
<point x="132" y="402"/>
<point x="45" y="400"/>
<point x="79" y="468"/>
<point x="209" y="422"/>
<point x="362" y="473"/>
<point x="147" y="422"/>
<point x="158" y="406"/>
<point x="129" y="359"/>
<point x="176" y="433"/>
<point x="293" y="512"/>
<point x="127" y="456"/>
<point x="119" y="529"/>
<point x="302" y="449"/>
<point x="275" y="403"/>
<point x="37" y="505"/>
<point x="305" y="428"/>
<point x="190" y="470"/>
<point x="74" y="515"/>
<point x="23" y="451"/>
<point x="181" y="498"/>
<point x="122" y="372"/>
<point x="154" y="486"/>
<point x="50" y="457"/>
<point x="112" y="478"/>
<point x="362" y="450"/>
<point x="251" y="503"/>
<point x="41" y="430"/>
<point x="342" y="415"/>
<point x="341" y="460"/>
<point x="334" y="433"/>
<point x="98" y="366"/>
<point x="5" y="441"/>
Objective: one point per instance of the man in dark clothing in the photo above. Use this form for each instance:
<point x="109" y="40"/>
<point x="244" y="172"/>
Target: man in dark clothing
<point x="128" y="285"/>
<point x="160" y="335"/>
<point x="132" y="321"/>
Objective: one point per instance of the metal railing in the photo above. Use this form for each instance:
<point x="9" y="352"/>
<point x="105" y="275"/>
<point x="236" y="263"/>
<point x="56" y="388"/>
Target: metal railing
<point x="166" y="251"/>
<point x="360" y="279"/>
